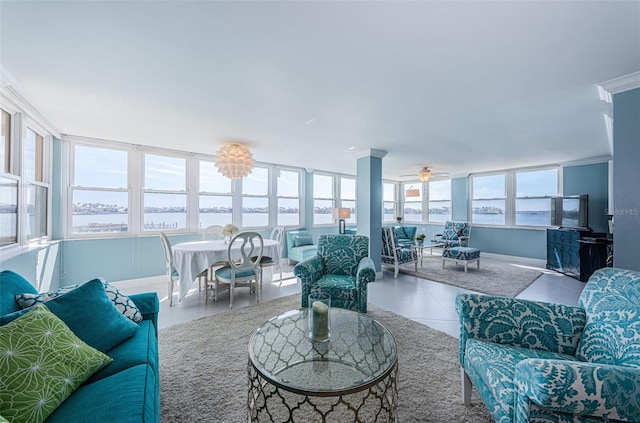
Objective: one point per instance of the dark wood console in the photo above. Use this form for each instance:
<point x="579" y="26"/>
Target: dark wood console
<point x="577" y="253"/>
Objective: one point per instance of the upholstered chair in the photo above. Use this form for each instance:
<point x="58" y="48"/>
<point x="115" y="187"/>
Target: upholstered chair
<point x="543" y="362"/>
<point x="454" y="234"/>
<point x="394" y="254"/>
<point x="341" y="268"/>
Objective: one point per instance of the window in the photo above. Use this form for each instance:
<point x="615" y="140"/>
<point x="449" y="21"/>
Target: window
<point x="215" y="197"/>
<point x="8" y="187"/>
<point x="439" y="204"/>
<point x="288" y="197"/>
<point x="348" y="197"/>
<point x="5" y="142"/>
<point x="99" y="191"/>
<point x="35" y="189"/>
<point x="323" y="199"/>
<point x="515" y="198"/>
<point x="413" y="203"/>
<point x="389" y="206"/>
<point x="8" y="211"/>
<point x="489" y="199"/>
<point x="534" y="190"/>
<point x="165" y="193"/>
<point x="255" y="199"/>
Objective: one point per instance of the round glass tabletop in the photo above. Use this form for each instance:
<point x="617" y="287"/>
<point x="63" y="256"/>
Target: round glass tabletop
<point x="359" y="353"/>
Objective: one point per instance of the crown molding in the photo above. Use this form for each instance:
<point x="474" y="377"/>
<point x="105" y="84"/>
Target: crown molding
<point x="10" y="95"/>
<point x="618" y="85"/>
<point x="371" y="152"/>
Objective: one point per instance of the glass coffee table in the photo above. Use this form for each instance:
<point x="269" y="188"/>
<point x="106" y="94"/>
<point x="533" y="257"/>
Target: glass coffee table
<point x="349" y="378"/>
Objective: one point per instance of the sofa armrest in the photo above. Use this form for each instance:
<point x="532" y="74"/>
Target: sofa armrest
<point x="149" y="306"/>
<point x="309" y="271"/>
<point x="588" y="389"/>
<point x="520" y="323"/>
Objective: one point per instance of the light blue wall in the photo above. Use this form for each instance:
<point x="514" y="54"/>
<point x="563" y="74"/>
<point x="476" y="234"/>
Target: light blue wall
<point x="626" y="179"/>
<point x="459" y="196"/>
<point x="593" y="180"/>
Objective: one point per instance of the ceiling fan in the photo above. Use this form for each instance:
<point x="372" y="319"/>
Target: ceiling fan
<point x="425" y="174"/>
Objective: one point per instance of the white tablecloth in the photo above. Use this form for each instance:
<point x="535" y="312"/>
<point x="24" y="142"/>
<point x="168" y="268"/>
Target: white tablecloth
<point x="193" y="258"/>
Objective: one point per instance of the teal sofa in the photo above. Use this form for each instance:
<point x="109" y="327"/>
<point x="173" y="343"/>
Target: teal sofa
<point x="542" y="362"/>
<point x="342" y="268"/>
<point x="300" y="245"/>
<point x="127" y="389"/>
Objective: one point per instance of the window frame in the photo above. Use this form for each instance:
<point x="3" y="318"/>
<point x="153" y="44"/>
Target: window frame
<point x="429" y="201"/>
<point x="268" y="196"/>
<point x="277" y="196"/>
<point x="510" y="178"/>
<point x="72" y="187"/>
<point x="20" y="122"/>
<point x="395" y="201"/>
<point x="334" y="199"/>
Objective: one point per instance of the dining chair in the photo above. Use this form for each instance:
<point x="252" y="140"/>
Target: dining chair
<point x="172" y="272"/>
<point x="243" y="266"/>
<point x="212" y="232"/>
<point x="277" y="234"/>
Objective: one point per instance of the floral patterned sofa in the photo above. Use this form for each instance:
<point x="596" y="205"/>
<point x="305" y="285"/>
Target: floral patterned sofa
<point x="342" y="268"/>
<point x="541" y="362"/>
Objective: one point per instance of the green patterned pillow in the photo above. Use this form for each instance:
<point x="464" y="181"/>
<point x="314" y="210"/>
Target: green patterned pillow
<point x="41" y="362"/>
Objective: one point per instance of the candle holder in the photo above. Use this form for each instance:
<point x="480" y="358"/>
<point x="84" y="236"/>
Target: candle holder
<point x="319" y="316"/>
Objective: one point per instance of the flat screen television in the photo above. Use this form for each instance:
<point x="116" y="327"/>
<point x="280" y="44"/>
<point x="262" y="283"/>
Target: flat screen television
<point x="570" y="212"/>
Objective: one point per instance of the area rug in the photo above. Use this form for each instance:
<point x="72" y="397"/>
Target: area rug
<point x="203" y="368"/>
<point x="495" y="277"/>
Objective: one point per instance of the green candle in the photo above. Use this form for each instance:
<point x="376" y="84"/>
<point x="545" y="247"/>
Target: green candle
<point x="320" y="319"/>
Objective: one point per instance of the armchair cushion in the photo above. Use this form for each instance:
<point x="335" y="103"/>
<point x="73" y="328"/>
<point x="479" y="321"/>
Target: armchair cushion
<point x="573" y="387"/>
<point x="302" y="240"/>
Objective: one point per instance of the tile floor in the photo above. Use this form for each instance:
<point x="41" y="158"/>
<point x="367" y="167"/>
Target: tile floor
<point x="421" y="300"/>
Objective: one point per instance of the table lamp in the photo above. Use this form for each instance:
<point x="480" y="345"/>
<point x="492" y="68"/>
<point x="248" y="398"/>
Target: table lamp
<point x="341" y="213"/>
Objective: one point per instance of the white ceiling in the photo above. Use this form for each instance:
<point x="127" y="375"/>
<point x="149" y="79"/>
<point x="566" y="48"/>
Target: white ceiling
<point x="458" y="86"/>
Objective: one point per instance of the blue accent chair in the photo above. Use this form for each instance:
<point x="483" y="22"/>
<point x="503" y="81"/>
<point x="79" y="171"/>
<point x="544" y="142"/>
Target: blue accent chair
<point x="454" y="234"/>
<point x="542" y="362"/>
<point x="300" y="245"/>
<point x="342" y="268"/>
<point x="405" y="235"/>
<point x="395" y="254"/>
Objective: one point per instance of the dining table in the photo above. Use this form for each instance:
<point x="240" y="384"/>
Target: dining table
<point x="192" y="258"/>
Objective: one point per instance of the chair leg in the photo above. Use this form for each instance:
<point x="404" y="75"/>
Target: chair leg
<point x="466" y="387"/>
<point x="396" y="270"/>
<point x="170" y="292"/>
<point x="231" y="295"/>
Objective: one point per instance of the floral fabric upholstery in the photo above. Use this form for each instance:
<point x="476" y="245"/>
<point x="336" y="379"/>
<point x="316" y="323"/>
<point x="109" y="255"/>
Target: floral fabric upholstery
<point x="540" y="362"/>
<point x="341" y="268"/>
<point x="404" y="235"/>
<point x="461" y="253"/>
<point x="394" y="254"/>
<point x="454" y="234"/>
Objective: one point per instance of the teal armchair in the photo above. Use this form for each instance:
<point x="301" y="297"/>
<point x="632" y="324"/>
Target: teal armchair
<point x="542" y="362"/>
<point x="341" y="268"/>
<point x="454" y="234"/>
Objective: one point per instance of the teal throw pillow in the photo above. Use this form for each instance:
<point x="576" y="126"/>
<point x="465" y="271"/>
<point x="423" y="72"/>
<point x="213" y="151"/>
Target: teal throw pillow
<point x="300" y="240"/>
<point x="10" y="283"/>
<point x="92" y="316"/>
<point x="41" y="362"/>
<point x="126" y="306"/>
